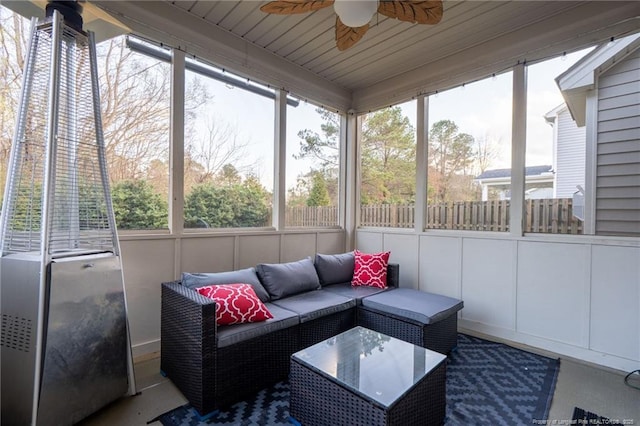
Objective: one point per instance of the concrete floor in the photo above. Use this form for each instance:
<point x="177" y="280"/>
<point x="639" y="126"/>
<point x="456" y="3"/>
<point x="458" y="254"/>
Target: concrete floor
<point x="156" y="395"/>
<point x="591" y="388"/>
<point x="597" y="390"/>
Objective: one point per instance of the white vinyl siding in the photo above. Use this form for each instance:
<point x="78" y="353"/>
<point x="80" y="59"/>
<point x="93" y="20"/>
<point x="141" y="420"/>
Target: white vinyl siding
<point x="570" y="156"/>
<point x="618" y="149"/>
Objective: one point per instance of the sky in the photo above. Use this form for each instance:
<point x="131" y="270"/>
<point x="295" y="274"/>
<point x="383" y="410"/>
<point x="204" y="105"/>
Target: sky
<point x="252" y="117"/>
<point x="482" y="109"/>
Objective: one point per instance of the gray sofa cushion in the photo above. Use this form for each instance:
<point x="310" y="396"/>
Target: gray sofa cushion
<point x="353" y="292"/>
<point x="424" y="308"/>
<point x="315" y="304"/>
<point x="286" y="279"/>
<point x="242" y="276"/>
<point x="335" y="268"/>
<point x="231" y="334"/>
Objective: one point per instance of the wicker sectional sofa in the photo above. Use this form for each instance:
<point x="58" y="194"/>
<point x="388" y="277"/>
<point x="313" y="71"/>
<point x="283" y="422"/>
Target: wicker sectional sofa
<point x="216" y="366"/>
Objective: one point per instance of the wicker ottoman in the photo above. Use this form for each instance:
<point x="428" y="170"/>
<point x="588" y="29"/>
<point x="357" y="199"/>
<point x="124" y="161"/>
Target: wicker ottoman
<point x="362" y="377"/>
<point x="424" y="319"/>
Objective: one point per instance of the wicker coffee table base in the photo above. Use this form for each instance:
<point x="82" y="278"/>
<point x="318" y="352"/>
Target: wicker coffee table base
<point x="316" y="401"/>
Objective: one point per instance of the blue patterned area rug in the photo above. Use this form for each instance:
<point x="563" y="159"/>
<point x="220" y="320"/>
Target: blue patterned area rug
<point x="487" y="384"/>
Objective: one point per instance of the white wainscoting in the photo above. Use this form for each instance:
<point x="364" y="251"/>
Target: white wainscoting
<point x="151" y="260"/>
<point x="578" y="296"/>
<point x="488" y="274"/>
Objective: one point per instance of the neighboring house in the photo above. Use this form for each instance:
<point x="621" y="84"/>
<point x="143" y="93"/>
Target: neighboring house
<point x="568" y="152"/>
<point x="560" y="180"/>
<point x="602" y="92"/>
<point x="497" y="183"/>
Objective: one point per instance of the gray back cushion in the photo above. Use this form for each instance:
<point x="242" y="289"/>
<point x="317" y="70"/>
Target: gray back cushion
<point x="244" y="276"/>
<point x="335" y="268"/>
<point x="286" y="279"/>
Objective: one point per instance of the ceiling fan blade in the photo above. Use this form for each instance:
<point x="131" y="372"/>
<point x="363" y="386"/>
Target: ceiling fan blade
<point x="348" y="36"/>
<point x="421" y="12"/>
<point x="292" y="7"/>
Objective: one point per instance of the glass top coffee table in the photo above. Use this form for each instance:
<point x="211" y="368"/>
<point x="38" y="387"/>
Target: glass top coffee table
<point x="362" y="377"/>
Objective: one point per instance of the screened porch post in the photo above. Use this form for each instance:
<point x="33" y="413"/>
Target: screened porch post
<point x="348" y="135"/>
<point x="342" y="172"/>
<point x="279" y="160"/>
<point x="518" y="149"/>
<point x="176" y="145"/>
<point x="352" y="181"/>
<point x="422" y="144"/>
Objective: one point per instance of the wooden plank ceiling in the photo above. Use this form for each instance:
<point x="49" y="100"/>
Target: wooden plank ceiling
<point x="393" y="62"/>
<point x="389" y="48"/>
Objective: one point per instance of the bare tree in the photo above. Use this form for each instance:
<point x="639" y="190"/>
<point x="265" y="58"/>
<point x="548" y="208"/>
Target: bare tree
<point x="486" y="151"/>
<point x="136" y="106"/>
<point x="221" y="145"/>
<point x="135" y="109"/>
<point x="136" y="103"/>
<point x="14" y="34"/>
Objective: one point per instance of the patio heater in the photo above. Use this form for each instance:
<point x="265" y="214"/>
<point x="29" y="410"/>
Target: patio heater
<point x="65" y="341"/>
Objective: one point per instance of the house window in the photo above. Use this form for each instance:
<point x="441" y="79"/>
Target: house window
<point x="229" y="137"/>
<point x="313" y="159"/>
<point x="555" y="155"/>
<point x="388" y="167"/>
<point x="469" y="156"/>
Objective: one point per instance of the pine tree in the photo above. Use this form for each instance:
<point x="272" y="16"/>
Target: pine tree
<point x="319" y="195"/>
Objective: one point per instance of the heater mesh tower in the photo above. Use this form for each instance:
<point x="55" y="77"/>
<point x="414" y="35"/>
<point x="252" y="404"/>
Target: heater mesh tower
<point x="65" y="342"/>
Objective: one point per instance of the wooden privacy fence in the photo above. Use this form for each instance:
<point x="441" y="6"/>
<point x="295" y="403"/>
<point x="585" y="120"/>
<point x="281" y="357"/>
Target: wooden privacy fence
<point x="469" y="215"/>
<point x="320" y="216"/>
<point x="387" y="215"/>
<point x="550" y="216"/>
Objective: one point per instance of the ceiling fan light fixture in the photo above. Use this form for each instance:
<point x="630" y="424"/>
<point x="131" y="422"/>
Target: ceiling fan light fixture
<point x="354" y="16"/>
<point x="355" y="13"/>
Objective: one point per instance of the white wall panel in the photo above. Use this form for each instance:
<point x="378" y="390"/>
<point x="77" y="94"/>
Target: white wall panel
<point x="331" y="242"/>
<point x="578" y="299"/>
<point x="207" y="254"/>
<point x="146" y="265"/>
<point x="440" y="265"/>
<point x="254" y="249"/>
<point x="553" y="291"/>
<point x="298" y="246"/>
<point x="370" y="242"/>
<point x="404" y="250"/>
<point x="488" y="281"/>
<point x="615" y="301"/>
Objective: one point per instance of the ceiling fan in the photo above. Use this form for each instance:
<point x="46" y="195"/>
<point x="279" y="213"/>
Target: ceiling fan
<point x="353" y="17"/>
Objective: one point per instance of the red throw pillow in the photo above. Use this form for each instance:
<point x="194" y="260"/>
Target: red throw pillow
<point x="236" y="303"/>
<point x="371" y="269"/>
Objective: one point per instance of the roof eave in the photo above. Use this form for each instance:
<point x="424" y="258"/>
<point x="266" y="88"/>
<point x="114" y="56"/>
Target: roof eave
<point x="577" y="81"/>
<point x="506" y="180"/>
